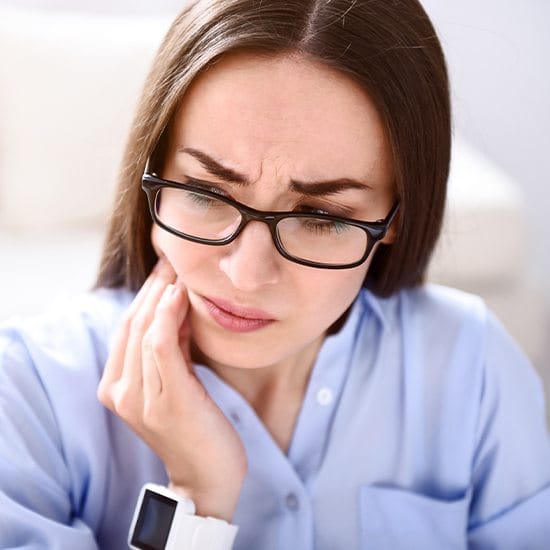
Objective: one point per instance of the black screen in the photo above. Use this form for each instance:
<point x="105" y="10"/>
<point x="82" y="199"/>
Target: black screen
<point x="154" y="521"/>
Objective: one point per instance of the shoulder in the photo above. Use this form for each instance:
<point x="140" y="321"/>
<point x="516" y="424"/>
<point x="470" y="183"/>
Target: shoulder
<point x="431" y="303"/>
<point x="447" y="336"/>
<point x="50" y="365"/>
<point x="71" y="333"/>
<point x="432" y="313"/>
<point x="96" y="309"/>
<point x="444" y="315"/>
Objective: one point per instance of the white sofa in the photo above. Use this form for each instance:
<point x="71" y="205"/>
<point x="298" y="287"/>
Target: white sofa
<point x="69" y="81"/>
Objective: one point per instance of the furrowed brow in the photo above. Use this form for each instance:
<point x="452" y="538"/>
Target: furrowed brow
<point x="315" y="188"/>
<point x="331" y="187"/>
<point x="215" y="168"/>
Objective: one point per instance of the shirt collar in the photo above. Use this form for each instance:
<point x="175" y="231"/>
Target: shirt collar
<point x="380" y="307"/>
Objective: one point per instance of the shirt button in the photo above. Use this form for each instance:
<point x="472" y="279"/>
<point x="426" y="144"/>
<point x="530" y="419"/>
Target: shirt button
<point x="235" y="417"/>
<point x="292" y="502"/>
<point x="324" y="396"/>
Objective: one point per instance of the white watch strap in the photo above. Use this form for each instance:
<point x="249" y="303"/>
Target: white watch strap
<point x="166" y="520"/>
<point x="198" y="533"/>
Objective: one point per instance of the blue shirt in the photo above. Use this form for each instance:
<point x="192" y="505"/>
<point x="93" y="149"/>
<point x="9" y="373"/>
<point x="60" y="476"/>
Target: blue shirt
<point x="422" y="428"/>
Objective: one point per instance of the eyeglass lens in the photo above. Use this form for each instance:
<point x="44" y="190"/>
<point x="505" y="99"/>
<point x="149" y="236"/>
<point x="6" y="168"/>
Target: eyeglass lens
<point x="308" y="238"/>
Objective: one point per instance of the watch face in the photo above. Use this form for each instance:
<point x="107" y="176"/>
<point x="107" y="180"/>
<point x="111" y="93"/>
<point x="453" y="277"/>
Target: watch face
<point x="154" y="521"/>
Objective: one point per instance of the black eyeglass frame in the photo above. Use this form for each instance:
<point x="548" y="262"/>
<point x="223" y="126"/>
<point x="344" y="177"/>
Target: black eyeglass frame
<point x="376" y="230"/>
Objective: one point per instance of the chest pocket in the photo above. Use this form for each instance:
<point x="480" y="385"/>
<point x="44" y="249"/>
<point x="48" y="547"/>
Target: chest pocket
<point x="392" y="519"/>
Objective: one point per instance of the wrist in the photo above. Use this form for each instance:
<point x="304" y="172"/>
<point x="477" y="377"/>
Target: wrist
<point x="220" y="504"/>
<point x="166" y="520"/>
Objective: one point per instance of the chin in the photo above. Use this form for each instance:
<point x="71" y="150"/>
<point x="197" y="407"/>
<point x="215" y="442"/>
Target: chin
<point x="212" y="345"/>
<point x="245" y="357"/>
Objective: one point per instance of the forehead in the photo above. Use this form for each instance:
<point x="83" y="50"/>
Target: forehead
<point x="290" y="108"/>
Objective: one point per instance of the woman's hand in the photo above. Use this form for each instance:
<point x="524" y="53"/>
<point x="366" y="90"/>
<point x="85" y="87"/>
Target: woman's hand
<point x="149" y="382"/>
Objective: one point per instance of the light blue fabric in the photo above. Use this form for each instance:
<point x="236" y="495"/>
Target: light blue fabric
<point x="422" y="428"/>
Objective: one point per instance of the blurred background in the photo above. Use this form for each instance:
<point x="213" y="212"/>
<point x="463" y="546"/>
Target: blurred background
<point x="70" y="75"/>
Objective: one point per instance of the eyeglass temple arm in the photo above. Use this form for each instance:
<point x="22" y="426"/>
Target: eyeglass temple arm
<point x="147" y="169"/>
<point x="391" y="215"/>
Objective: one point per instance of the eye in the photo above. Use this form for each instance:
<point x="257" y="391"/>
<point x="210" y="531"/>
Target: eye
<point x="186" y="200"/>
<point x="199" y="199"/>
<point x="205" y="186"/>
<point x="324" y="227"/>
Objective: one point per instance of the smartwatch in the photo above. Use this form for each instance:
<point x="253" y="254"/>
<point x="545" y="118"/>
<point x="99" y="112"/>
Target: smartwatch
<point x="165" y="520"/>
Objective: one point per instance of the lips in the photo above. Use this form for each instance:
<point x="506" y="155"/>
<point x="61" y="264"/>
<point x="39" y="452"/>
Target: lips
<point x="236" y="318"/>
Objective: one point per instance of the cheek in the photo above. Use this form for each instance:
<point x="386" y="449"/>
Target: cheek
<point x="348" y="290"/>
<point x="323" y="293"/>
<point x="156" y="240"/>
<point x="184" y="256"/>
<point x="332" y="292"/>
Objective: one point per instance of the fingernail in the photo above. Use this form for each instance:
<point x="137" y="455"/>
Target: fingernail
<point x="180" y="284"/>
<point x="170" y="291"/>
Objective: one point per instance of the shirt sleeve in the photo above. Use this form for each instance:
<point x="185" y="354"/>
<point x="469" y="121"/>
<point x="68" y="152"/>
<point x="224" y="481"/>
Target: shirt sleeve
<point x="36" y="506"/>
<point x="510" y="505"/>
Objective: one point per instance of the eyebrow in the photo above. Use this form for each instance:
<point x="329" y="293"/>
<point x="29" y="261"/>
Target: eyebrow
<point x="215" y="168"/>
<point x="314" y="188"/>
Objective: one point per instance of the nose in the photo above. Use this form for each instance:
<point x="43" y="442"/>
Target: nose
<point x="251" y="261"/>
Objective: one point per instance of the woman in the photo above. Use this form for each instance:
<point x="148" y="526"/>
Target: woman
<point x="260" y="338"/>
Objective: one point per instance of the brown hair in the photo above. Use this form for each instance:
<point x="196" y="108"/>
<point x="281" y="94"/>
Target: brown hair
<point x="390" y="48"/>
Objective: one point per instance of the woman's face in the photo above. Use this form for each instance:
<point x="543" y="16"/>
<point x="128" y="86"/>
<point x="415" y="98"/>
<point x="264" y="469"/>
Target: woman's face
<point x="251" y="126"/>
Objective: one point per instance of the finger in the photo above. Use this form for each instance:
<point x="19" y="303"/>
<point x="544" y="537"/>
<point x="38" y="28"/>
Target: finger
<point x="185" y="340"/>
<point x="161" y="352"/>
<point x="131" y="374"/>
<point x="152" y="384"/>
<point x="120" y="387"/>
<point x="169" y="359"/>
<point x="153" y="339"/>
<point x="115" y="363"/>
<point x="164" y="270"/>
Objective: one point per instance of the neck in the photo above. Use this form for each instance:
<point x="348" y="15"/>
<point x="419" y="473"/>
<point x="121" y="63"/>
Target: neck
<point x="275" y="392"/>
<point x="289" y="376"/>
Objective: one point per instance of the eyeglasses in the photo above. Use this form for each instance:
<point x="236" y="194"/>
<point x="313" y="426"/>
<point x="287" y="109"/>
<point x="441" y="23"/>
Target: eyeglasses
<point x="316" y="240"/>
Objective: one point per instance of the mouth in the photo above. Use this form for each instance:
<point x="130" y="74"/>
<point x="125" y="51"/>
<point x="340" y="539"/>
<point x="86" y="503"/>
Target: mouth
<point x="236" y="318"/>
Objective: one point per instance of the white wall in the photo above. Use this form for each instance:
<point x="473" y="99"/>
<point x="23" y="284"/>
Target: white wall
<point x="498" y="53"/>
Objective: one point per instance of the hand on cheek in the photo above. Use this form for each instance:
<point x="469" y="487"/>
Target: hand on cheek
<point x="149" y="382"/>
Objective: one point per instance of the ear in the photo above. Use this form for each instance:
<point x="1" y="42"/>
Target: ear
<point x="390" y="237"/>
<point x="392" y="231"/>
